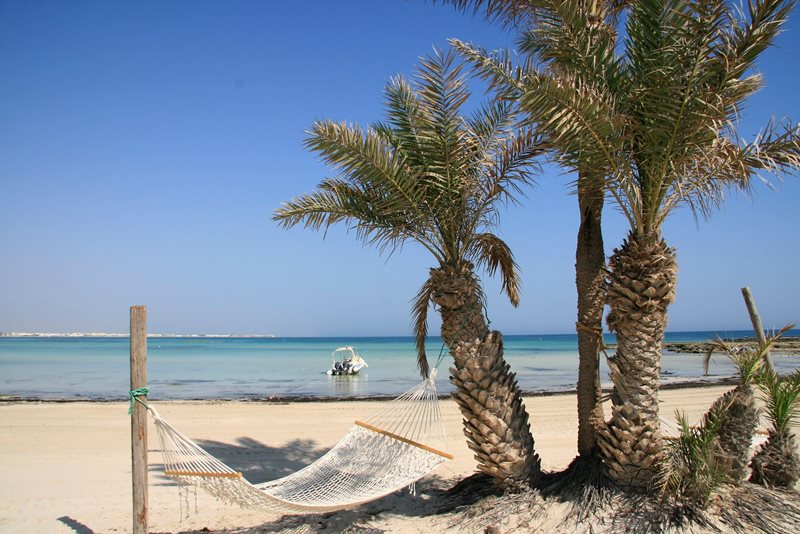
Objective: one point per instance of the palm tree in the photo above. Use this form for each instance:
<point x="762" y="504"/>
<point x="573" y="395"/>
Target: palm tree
<point x="430" y="176"/>
<point x="776" y="463"/>
<point x="544" y="39"/>
<point x="738" y="413"/>
<point x="688" y="70"/>
<point x="656" y="120"/>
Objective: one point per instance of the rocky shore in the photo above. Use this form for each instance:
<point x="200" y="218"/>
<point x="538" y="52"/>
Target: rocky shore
<point x="786" y="345"/>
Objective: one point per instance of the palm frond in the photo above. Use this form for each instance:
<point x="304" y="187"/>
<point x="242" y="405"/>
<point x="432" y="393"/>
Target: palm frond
<point x="442" y="89"/>
<point x="405" y="118"/>
<point x="508" y="13"/>
<point x="490" y="124"/>
<point x="368" y="212"/>
<point x="744" y="41"/>
<point x="366" y="158"/>
<point x="334" y="201"/>
<point x="419" y="315"/>
<point x="702" y="180"/>
<point x="576" y="37"/>
<point x="657" y="117"/>
<point x="748" y="360"/>
<point x="670" y="52"/>
<point x="781" y="399"/>
<point x="505" y="75"/>
<point x="684" y="59"/>
<point x="776" y="149"/>
<point x="491" y="252"/>
<point x="515" y="164"/>
<point x="578" y="119"/>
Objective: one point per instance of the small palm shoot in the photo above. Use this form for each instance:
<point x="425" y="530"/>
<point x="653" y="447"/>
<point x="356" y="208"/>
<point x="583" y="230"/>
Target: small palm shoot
<point x="777" y="463"/>
<point x="739" y="419"/>
<point x="694" y="465"/>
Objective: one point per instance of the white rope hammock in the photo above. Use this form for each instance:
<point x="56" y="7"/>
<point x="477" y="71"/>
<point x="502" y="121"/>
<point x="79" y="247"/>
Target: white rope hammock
<point x="378" y="456"/>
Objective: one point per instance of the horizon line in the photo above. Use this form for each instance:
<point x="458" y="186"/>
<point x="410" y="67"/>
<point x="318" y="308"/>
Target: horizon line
<point x="274" y="336"/>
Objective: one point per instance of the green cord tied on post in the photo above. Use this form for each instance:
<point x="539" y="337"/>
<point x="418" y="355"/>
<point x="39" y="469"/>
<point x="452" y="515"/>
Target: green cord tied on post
<point x="138" y="392"/>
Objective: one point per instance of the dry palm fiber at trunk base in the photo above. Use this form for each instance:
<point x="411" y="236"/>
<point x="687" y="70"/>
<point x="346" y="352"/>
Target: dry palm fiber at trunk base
<point x="748" y="508"/>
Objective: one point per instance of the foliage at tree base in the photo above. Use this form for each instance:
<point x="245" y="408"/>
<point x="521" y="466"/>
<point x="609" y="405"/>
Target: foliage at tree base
<point x="747" y="508"/>
<point x="695" y="463"/>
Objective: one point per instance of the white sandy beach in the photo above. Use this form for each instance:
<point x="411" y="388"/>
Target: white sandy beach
<point x="66" y="466"/>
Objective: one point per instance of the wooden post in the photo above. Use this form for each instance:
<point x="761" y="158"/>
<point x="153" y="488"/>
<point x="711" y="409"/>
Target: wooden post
<point x="139" y="419"/>
<point x="756" y="320"/>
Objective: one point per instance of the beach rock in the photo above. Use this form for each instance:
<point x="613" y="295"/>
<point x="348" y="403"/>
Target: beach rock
<point x="785" y="346"/>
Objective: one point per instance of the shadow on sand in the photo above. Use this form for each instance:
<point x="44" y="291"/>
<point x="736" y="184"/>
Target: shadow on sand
<point x="75" y="525"/>
<point x="259" y="462"/>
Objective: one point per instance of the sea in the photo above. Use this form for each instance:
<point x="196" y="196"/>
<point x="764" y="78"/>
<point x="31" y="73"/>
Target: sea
<point x="200" y="367"/>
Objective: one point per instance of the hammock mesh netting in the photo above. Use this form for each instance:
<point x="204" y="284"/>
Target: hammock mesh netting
<point x="378" y="456"/>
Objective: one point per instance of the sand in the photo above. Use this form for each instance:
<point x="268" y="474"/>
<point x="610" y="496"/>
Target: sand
<point x="65" y="467"/>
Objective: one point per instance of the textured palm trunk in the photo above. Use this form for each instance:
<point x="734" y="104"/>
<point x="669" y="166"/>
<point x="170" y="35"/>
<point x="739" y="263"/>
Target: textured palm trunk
<point x="776" y="463"/>
<point x="739" y="423"/>
<point x="457" y="293"/>
<point x="589" y="282"/>
<point x="495" y="421"/>
<point x="641" y="286"/>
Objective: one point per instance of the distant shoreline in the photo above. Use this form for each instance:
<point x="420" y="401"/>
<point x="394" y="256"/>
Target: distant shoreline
<point x="668" y="345"/>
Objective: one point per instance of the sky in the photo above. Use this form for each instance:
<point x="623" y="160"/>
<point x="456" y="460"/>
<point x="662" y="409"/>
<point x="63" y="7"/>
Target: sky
<point x="145" y="145"/>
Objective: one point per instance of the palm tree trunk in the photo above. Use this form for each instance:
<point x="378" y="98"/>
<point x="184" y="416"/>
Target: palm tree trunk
<point x="641" y="286"/>
<point x="739" y="422"/>
<point x="495" y="421"/>
<point x="589" y="281"/>
<point x="776" y="463"/>
<point x="457" y="293"/>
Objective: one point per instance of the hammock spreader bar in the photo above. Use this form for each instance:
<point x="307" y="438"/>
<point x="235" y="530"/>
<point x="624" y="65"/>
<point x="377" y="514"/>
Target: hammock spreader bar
<point x="404" y="440"/>
<point x="207" y="474"/>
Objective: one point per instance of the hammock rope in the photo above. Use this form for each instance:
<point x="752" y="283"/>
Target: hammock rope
<point x="381" y="454"/>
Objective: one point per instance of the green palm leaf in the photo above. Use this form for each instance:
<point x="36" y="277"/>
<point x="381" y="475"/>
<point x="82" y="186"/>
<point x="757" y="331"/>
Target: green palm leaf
<point x="493" y="253"/>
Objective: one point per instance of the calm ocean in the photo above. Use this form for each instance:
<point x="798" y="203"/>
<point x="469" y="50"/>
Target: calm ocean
<point x="249" y="368"/>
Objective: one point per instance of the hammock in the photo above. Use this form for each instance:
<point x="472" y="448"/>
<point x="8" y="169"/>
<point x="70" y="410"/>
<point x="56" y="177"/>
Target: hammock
<point x="378" y="456"/>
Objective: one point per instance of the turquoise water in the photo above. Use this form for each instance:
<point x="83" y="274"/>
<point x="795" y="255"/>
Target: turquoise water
<point x="242" y="368"/>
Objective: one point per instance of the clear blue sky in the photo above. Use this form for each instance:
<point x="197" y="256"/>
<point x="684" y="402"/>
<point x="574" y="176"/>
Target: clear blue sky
<point x="144" y="146"/>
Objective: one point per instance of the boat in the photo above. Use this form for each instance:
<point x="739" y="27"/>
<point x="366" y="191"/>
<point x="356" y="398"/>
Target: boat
<point x="346" y="361"/>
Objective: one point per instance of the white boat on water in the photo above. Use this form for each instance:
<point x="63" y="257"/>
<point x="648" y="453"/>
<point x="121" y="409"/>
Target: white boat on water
<point x="346" y="361"/>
